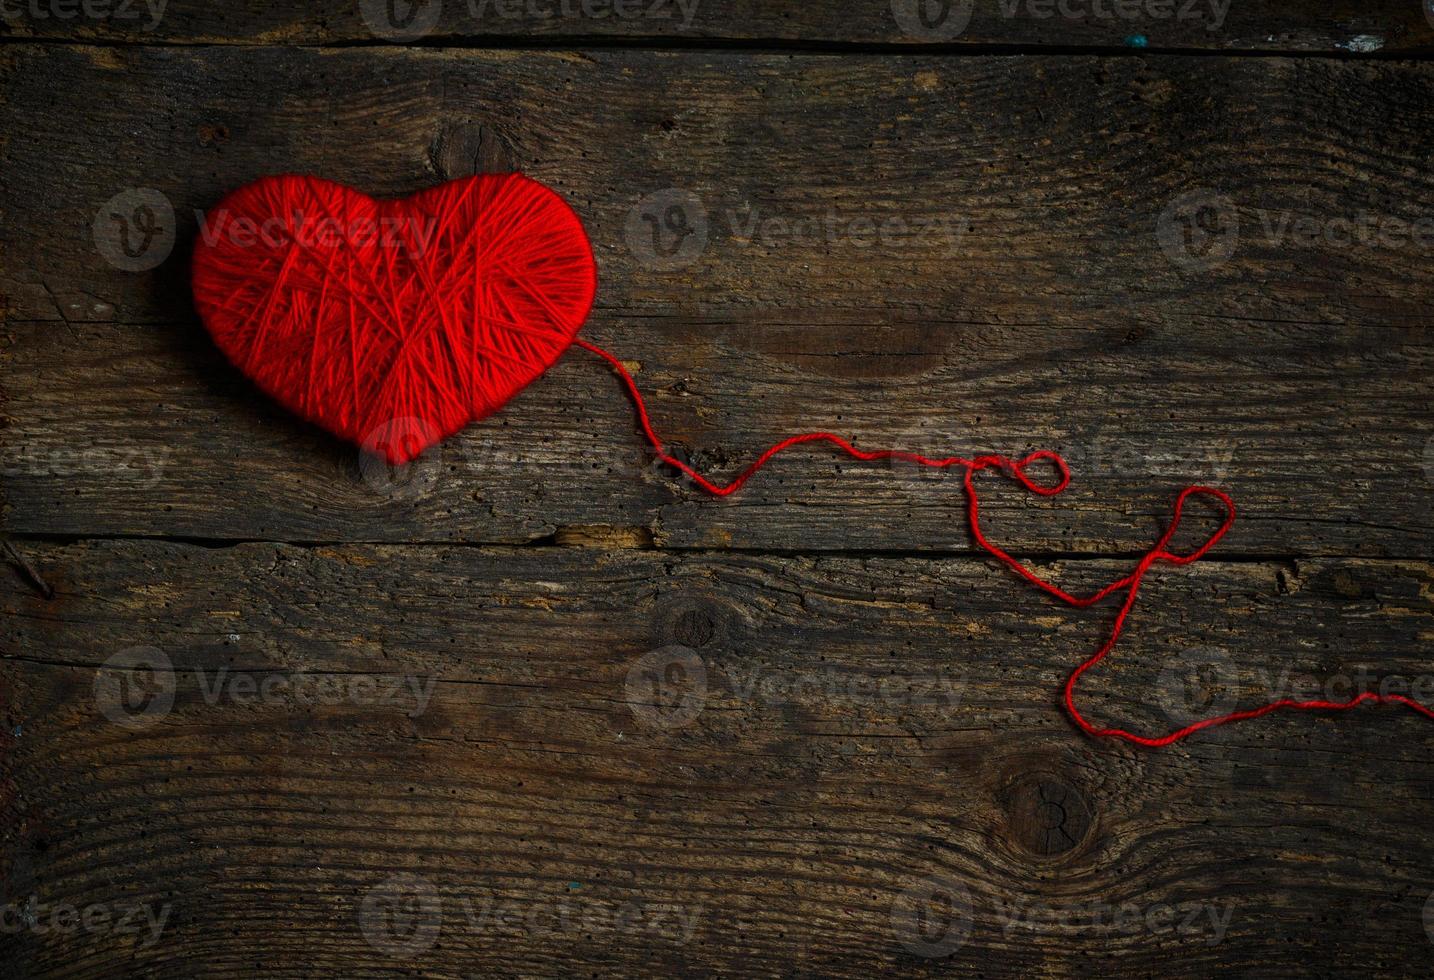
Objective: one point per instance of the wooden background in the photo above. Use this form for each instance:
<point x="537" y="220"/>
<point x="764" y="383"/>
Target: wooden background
<point x="452" y="721"/>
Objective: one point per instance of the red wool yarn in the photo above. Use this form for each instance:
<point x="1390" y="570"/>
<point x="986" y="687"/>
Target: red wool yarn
<point x="393" y="324"/>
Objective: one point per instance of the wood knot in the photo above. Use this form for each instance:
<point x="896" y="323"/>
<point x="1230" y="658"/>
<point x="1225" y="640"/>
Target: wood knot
<point x="1347" y="585"/>
<point x="1047" y="815"/>
<point x="467" y="148"/>
<point x="1347" y="582"/>
<point x="695" y="622"/>
<point x="694" y="628"/>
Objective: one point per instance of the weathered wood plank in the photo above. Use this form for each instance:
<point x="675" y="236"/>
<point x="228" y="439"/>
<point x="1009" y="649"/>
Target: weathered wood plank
<point x="868" y="723"/>
<point x="1323" y="438"/>
<point x="982" y="191"/>
<point x="976" y="241"/>
<point x="1059" y="320"/>
<point x="1336" y="27"/>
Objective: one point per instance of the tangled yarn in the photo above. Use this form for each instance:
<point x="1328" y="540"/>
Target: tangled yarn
<point x="1129" y="585"/>
<point x="393" y="324"/>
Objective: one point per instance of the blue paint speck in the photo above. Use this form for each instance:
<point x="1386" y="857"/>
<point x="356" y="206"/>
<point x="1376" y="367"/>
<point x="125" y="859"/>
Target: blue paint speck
<point x="1137" y="41"/>
<point x="17" y="730"/>
<point x="574" y="885"/>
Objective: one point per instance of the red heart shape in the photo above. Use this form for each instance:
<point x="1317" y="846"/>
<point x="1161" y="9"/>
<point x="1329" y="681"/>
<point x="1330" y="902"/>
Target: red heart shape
<point x="393" y="324"/>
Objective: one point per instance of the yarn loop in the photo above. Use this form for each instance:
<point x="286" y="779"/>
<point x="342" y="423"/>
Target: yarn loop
<point x="395" y="323"/>
<point x="1129" y="584"/>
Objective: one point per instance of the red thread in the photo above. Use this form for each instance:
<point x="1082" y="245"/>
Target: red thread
<point x="1158" y="554"/>
<point x="393" y="323"/>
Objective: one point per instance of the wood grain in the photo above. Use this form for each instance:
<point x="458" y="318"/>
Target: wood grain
<point x="866" y="190"/>
<point x="1294" y="373"/>
<point x="451" y="721"/>
<point x="147" y="431"/>
<point x="868" y="723"/>
<point x="1339" y="27"/>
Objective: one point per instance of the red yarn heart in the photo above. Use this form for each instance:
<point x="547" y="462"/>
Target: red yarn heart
<point x="393" y="324"/>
